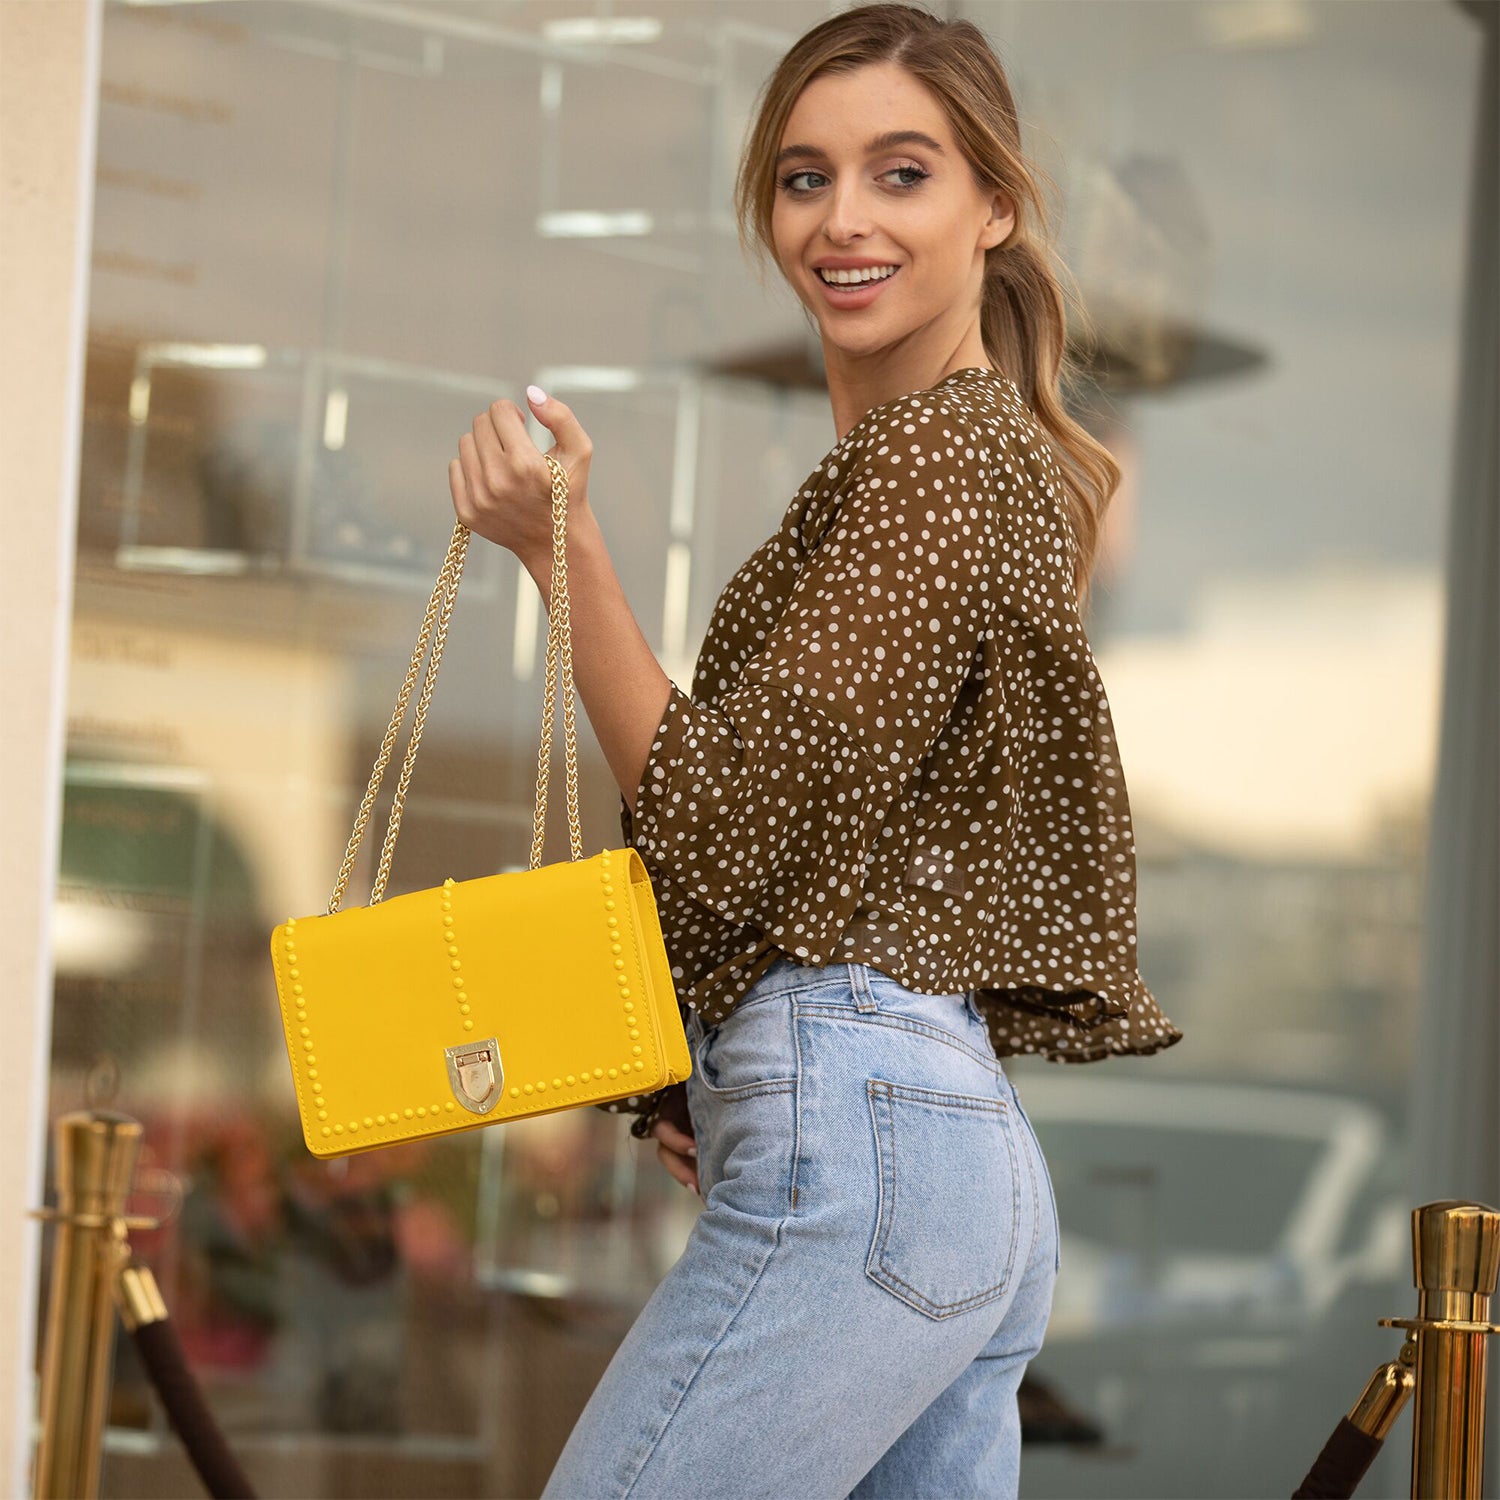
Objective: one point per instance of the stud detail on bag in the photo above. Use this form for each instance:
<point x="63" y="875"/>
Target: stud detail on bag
<point x="475" y="1075"/>
<point x="310" y="1060"/>
<point x="621" y="978"/>
<point x="454" y="962"/>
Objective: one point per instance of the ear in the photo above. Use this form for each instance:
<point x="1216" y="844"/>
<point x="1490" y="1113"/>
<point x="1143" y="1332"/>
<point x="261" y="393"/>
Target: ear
<point x="1001" y="222"/>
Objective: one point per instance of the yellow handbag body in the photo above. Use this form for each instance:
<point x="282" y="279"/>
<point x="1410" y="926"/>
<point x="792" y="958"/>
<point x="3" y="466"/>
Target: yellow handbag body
<point x="484" y="1000"/>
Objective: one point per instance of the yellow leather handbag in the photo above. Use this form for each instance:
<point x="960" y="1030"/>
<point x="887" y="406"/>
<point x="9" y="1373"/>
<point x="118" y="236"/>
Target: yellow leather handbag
<point x="485" y="1000"/>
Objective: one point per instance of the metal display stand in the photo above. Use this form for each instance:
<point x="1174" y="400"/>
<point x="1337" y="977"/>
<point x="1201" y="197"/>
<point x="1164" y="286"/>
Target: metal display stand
<point x="1455" y="1256"/>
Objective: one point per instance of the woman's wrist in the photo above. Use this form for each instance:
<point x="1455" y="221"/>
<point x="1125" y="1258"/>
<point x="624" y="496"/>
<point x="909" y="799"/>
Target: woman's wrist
<point x="582" y="537"/>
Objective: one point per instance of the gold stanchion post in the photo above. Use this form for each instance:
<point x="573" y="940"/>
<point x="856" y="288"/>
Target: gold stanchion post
<point x="95" y="1154"/>
<point x="1455" y="1256"/>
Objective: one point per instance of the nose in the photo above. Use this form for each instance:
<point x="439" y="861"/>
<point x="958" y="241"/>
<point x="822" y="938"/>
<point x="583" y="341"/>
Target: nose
<point x="848" y="217"/>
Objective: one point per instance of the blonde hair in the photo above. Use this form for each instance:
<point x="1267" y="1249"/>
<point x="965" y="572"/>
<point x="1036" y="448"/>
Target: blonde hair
<point x="1023" y="309"/>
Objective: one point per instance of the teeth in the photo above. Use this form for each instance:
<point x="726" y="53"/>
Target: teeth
<point x="853" y="278"/>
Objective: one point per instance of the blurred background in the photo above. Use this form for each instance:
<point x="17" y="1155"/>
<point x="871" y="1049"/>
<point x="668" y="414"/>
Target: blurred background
<point x="325" y="236"/>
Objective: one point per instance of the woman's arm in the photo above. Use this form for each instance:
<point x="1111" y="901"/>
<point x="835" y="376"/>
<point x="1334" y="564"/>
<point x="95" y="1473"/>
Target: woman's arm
<point x="623" y="687"/>
<point x="502" y="489"/>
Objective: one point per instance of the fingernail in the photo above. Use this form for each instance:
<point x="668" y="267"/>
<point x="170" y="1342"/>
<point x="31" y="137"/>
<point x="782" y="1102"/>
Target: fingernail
<point x="537" y="394"/>
<point x="692" y="1150"/>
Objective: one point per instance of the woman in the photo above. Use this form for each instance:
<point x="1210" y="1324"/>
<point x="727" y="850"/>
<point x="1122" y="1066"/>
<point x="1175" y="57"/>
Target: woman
<point x="887" y="832"/>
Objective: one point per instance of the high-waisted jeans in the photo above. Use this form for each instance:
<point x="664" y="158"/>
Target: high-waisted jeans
<point x="870" y="1274"/>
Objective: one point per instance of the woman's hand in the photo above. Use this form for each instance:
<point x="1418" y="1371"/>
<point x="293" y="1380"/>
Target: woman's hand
<point x="678" y="1153"/>
<point x="501" y="483"/>
<point x="674" y="1139"/>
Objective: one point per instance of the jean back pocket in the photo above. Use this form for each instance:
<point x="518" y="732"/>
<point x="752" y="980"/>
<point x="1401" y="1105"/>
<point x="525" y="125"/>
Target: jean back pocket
<point x="949" y="1217"/>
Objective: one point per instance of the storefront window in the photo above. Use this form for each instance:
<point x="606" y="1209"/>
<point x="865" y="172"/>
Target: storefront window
<point x="325" y="237"/>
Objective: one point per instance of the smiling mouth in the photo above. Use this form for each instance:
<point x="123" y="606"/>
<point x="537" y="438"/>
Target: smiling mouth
<point x="872" y="277"/>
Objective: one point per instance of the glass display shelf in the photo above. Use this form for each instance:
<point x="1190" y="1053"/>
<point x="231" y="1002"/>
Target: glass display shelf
<point x="711" y="53"/>
<point x="240" y="460"/>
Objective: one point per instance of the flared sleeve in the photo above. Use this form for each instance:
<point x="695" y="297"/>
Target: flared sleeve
<point x="764" y="806"/>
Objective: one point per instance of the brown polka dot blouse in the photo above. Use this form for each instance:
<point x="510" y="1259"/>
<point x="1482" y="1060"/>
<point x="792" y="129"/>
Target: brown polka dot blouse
<point x="898" y="751"/>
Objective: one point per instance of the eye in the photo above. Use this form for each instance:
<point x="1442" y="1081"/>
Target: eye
<point x="786" y="182"/>
<point x="917" y="172"/>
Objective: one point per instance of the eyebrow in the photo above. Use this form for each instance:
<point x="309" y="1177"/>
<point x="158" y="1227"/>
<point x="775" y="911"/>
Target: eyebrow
<point x="879" y="143"/>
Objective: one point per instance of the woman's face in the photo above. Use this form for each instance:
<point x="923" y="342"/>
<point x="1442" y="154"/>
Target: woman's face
<point x="911" y="204"/>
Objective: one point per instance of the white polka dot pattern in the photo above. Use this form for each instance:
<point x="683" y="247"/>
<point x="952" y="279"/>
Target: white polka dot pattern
<point x="898" y="750"/>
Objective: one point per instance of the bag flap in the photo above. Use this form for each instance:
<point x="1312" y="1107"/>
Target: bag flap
<point x="387" y="1008"/>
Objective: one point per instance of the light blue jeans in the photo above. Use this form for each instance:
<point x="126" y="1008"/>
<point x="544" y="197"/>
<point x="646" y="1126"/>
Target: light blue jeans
<point x="870" y="1274"/>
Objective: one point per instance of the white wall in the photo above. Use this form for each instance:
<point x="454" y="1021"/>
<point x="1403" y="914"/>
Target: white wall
<point x="49" y="66"/>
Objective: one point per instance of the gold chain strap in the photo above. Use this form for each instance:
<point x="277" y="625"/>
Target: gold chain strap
<point x="560" y="640"/>
<point x="435" y="630"/>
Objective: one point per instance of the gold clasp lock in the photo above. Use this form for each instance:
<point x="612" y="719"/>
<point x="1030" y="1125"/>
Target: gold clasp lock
<point x="475" y="1074"/>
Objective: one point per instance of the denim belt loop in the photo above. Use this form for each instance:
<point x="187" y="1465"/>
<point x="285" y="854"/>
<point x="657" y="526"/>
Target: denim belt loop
<point x="864" y="996"/>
